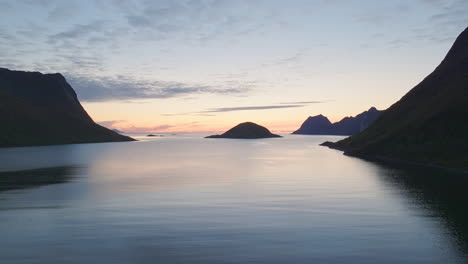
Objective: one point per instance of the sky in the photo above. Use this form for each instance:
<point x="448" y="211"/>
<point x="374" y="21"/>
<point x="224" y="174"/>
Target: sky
<point x="207" y="65"/>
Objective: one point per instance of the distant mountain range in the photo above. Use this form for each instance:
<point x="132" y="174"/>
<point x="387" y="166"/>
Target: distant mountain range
<point x="247" y="130"/>
<point x="320" y="125"/>
<point x="43" y="109"/>
<point x="429" y="124"/>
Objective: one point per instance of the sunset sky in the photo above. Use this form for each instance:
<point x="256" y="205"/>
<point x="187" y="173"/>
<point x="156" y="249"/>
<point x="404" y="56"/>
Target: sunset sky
<point x="204" y="66"/>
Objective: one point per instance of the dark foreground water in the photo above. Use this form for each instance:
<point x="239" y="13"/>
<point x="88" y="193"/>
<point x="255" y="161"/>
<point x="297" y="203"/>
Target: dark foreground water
<point x="184" y="199"/>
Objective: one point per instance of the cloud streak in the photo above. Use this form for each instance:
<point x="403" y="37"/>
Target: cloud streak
<point x="212" y="111"/>
<point x="249" y="108"/>
<point x="263" y="107"/>
<point x="304" y="102"/>
<point x="98" y="89"/>
<point x="78" y="31"/>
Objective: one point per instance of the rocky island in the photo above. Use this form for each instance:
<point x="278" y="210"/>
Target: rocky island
<point x="247" y="130"/>
<point x="43" y="109"/>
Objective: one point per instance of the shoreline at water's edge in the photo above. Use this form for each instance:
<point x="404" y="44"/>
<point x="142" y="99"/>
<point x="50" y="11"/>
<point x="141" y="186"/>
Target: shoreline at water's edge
<point x="130" y="139"/>
<point x="384" y="159"/>
<point x="227" y="137"/>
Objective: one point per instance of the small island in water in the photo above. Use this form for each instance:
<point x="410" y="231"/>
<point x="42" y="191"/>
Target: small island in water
<point x="247" y="130"/>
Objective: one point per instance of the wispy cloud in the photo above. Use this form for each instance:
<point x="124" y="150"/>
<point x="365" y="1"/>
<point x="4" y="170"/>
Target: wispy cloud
<point x="195" y="21"/>
<point x="79" y="31"/>
<point x="249" y="108"/>
<point x="93" y="88"/>
<point x="305" y="102"/>
<point x="212" y="111"/>
<point x="451" y="13"/>
<point x="86" y="40"/>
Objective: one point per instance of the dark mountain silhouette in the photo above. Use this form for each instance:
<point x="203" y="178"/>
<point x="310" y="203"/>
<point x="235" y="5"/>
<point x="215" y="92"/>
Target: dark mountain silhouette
<point x="43" y="109"/>
<point x="247" y="130"/>
<point x="429" y="124"/>
<point x="320" y="125"/>
<point x="315" y="125"/>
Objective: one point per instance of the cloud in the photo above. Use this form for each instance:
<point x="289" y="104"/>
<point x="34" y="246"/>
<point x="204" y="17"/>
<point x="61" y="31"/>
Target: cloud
<point x="289" y="61"/>
<point x="92" y="88"/>
<point x="249" y="108"/>
<point x="436" y="3"/>
<point x="63" y="11"/>
<point x="446" y="23"/>
<point x="39" y="3"/>
<point x="454" y="14"/>
<point x="79" y="31"/>
<point x="305" y="102"/>
<point x="211" y="111"/>
<point x="374" y="19"/>
<point x="6" y="37"/>
<point x="88" y="40"/>
<point x="195" y="21"/>
<point x="5" y="6"/>
<point x="263" y="107"/>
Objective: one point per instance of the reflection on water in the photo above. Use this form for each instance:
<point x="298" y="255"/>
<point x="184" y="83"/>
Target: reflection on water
<point x="185" y="199"/>
<point x="439" y="193"/>
<point x="35" y="177"/>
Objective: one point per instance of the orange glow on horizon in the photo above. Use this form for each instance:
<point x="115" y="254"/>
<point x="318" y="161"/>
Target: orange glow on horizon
<point x="277" y="127"/>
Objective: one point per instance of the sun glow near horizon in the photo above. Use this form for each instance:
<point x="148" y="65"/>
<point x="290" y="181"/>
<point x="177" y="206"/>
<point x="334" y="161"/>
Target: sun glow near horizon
<point x="281" y="114"/>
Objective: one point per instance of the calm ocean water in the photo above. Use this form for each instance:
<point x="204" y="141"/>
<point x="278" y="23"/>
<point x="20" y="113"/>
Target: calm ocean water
<point x="185" y="199"/>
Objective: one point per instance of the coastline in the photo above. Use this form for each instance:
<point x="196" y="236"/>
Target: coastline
<point x="390" y="160"/>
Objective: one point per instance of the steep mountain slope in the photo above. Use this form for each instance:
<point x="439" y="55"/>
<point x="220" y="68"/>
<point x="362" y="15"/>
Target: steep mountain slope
<point x="429" y="124"/>
<point x="43" y="109"/>
<point x="320" y="125"/>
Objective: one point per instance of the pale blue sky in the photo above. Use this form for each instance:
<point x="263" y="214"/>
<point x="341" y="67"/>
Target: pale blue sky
<point x="143" y="65"/>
